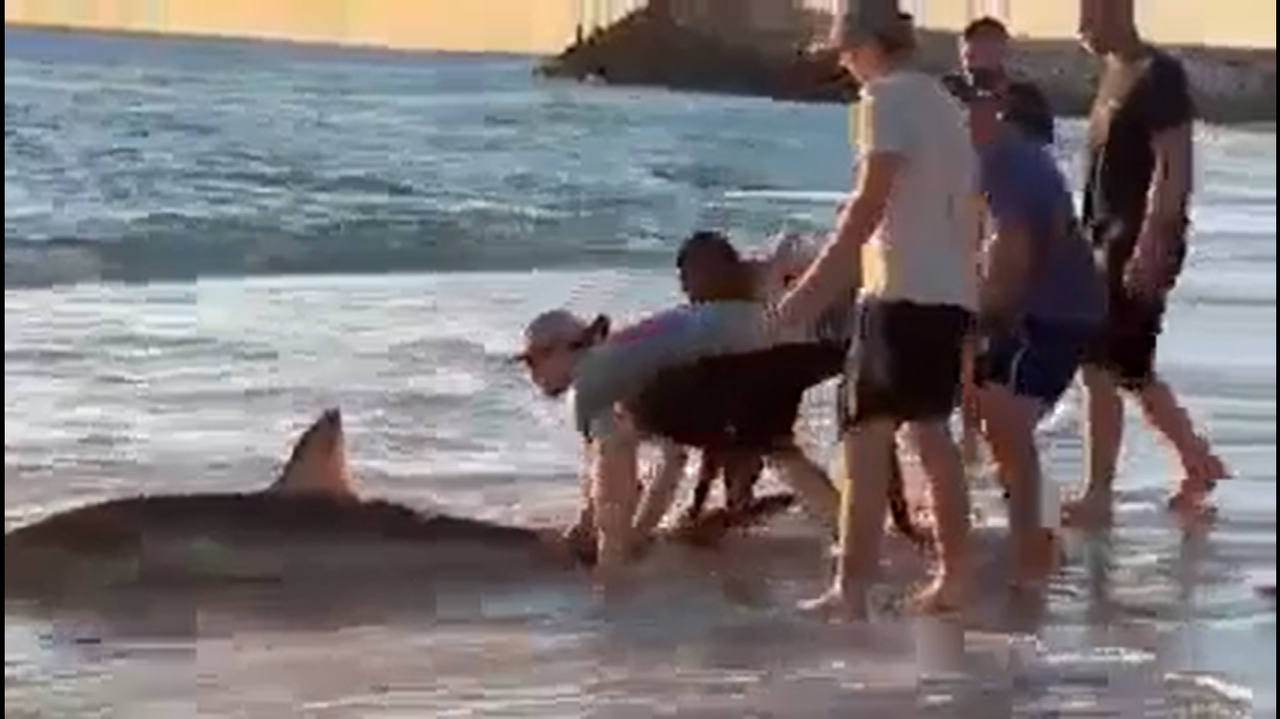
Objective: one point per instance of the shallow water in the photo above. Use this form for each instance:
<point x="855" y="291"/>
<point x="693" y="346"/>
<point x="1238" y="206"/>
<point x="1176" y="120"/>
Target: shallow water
<point x="304" y="228"/>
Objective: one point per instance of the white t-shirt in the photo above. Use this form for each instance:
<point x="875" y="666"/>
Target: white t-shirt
<point x="923" y="250"/>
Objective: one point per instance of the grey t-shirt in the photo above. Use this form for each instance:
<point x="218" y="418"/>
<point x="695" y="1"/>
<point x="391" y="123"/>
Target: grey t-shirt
<point x="620" y="366"/>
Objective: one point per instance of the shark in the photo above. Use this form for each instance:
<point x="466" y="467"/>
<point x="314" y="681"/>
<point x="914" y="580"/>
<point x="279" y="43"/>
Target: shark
<point x="309" y="525"/>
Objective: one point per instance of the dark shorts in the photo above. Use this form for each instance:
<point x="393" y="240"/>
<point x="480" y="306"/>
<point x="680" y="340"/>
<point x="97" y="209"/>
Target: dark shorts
<point x="905" y="364"/>
<point x="1126" y="346"/>
<point x="747" y="401"/>
<point x="1037" y="360"/>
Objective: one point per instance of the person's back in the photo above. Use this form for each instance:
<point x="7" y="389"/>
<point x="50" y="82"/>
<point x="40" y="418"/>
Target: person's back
<point x="1021" y="179"/>
<point x="922" y="252"/>
<point x="619" y="366"/>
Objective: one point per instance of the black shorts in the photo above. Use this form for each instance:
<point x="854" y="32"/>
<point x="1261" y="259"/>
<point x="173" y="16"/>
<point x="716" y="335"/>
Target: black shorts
<point x="905" y="364"/>
<point x="747" y="401"/>
<point x="1127" y="343"/>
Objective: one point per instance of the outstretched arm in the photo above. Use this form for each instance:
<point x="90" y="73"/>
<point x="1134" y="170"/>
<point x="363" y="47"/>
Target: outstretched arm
<point x="885" y="137"/>
<point x="661" y="490"/>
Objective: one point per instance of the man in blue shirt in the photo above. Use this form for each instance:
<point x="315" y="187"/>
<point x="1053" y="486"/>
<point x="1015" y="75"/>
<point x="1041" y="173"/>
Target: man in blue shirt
<point x="1042" y="300"/>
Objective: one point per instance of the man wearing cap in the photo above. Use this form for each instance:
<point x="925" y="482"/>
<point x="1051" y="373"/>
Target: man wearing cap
<point x="634" y="383"/>
<point x="912" y="211"/>
<point x="1041" y="304"/>
<point x="984" y="44"/>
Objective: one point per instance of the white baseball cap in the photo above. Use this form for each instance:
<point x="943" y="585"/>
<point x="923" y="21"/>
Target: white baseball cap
<point x="556" y="328"/>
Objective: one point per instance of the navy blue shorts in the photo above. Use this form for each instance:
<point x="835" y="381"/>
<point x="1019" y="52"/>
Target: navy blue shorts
<point x="1039" y="359"/>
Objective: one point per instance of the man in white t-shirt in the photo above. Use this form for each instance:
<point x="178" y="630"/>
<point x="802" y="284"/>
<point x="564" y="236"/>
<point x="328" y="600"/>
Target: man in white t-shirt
<point x="906" y="234"/>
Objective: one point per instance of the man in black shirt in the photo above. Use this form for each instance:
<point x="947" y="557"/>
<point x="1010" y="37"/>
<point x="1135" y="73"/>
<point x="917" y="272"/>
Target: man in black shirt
<point x="983" y="46"/>
<point x="1136" y="199"/>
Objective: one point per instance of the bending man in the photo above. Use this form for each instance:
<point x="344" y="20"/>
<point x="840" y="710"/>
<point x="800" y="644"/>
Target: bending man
<point x="1042" y="301"/>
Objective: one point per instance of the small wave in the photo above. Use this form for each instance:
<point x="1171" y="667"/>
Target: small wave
<point x="177" y="248"/>
<point x="820" y="197"/>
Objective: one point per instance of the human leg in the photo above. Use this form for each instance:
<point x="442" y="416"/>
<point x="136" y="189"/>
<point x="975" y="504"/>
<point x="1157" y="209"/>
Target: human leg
<point x="660" y="491"/>
<point x="615" y="494"/>
<point x="771" y="386"/>
<point x="1124" y="360"/>
<point x="925" y="359"/>
<point x="741" y="473"/>
<point x="1021" y="376"/>
<point x="904" y="366"/>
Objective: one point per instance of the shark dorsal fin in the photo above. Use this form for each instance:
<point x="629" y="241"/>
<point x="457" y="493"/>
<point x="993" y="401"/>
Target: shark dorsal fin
<point x="318" y="464"/>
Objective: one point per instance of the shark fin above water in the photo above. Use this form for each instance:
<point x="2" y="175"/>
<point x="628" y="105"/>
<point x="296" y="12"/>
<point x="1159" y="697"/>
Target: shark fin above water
<point x="318" y="465"/>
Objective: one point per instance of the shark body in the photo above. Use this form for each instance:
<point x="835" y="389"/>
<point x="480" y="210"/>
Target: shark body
<point x="310" y="525"/>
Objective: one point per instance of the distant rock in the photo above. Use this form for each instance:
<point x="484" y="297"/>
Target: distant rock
<point x="649" y="48"/>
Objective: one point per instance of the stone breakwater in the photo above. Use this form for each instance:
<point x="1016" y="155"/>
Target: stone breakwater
<point x="1232" y="86"/>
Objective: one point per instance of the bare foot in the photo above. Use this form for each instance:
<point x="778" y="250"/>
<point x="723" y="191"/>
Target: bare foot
<point x="1090" y="510"/>
<point x="941" y="596"/>
<point x="837" y="605"/>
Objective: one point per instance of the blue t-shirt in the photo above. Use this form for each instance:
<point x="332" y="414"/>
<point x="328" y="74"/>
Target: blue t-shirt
<point x="1021" y="183"/>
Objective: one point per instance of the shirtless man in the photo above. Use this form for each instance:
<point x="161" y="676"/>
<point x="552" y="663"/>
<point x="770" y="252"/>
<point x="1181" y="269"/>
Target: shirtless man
<point x="1136" y="199"/>
<point x="910" y="218"/>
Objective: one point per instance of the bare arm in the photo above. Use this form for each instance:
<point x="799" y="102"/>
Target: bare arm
<point x="887" y="132"/>
<point x="1171" y="184"/>
<point x="1008" y="269"/>
<point x="615" y="491"/>
<point x="585" y="526"/>
<point x="1170" y="114"/>
<point x="661" y="490"/>
<point x="838" y="267"/>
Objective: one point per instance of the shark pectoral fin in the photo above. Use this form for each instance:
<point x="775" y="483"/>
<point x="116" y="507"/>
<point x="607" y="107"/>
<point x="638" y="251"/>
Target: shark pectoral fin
<point x="318" y="464"/>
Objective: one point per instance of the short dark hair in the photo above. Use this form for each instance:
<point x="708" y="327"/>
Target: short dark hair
<point x="710" y="244"/>
<point x="985" y="25"/>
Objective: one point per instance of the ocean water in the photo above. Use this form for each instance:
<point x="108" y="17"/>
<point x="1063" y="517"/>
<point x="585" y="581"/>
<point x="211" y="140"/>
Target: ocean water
<point x="207" y="242"/>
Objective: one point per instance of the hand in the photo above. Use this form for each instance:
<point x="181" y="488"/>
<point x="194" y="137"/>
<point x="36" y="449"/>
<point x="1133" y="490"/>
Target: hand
<point x="783" y="314"/>
<point x="580" y="542"/>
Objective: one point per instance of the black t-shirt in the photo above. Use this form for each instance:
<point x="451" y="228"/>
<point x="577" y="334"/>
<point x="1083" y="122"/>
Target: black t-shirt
<point x="1025" y="106"/>
<point x="1128" y="114"/>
